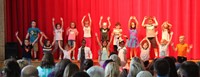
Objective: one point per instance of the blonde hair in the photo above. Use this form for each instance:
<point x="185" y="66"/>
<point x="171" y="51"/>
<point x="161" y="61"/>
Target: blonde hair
<point x="112" y="70"/>
<point x="135" y="67"/>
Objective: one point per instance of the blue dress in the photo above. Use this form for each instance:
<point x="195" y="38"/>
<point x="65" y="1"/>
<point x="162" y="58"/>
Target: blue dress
<point x="133" y="40"/>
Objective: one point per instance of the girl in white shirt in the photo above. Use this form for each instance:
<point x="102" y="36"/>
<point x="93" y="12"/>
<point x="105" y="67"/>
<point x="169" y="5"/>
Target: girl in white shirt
<point x="122" y="53"/>
<point x="117" y="31"/>
<point x="145" y="46"/>
<point x="166" y="30"/>
<point x="58" y="30"/>
<point x="67" y="51"/>
<point x="87" y="29"/>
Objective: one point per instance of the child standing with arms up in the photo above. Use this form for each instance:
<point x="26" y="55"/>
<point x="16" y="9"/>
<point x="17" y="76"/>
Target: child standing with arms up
<point x="72" y="33"/>
<point x="104" y="29"/>
<point x="117" y="31"/>
<point x="67" y="51"/>
<point x="145" y="46"/>
<point x="182" y="48"/>
<point x="87" y="29"/>
<point x="133" y="40"/>
<point x="47" y="45"/>
<point x="150" y="31"/>
<point x="163" y="45"/>
<point x="166" y="30"/>
<point x="58" y="30"/>
<point x="33" y="32"/>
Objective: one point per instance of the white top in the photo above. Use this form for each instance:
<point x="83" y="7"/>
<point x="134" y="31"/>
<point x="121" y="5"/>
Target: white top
<point x="163" y="50"/>
<point x="87" y="31"/>
<point x="58" y="34"/>
<point x="122" y="53"/>
<point x="144" y="55"/>
<point x="88" y="53"/>
<point x="117" y="33"/>
<point x="67" y="54"/>
<point x="150" y="30"/>
<point x="165" y="35"/>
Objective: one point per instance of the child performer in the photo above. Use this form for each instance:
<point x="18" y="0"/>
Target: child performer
<point x="166" y="30"/>
<point x="87" y="29"/>
<point x="133" y="40"/>
<point x="150" y="31"/>
<point x="122" y="53"/>
<point x="145" y="46"/>
<point x="104" y="29"/>
<point x="58" y="30"/>
<point x="182" y="49"/>
<point x="47" y="45"/>
<point x="72" y="33"/>
<point x="27" y="47"/>
<point x="67" y="51"/>
<point x="163" y="46"/>
<point x="84" y="52"/>
<point x="104" y="49"/>
<point x="117" y="31"/>
<point x="33" y="32"/>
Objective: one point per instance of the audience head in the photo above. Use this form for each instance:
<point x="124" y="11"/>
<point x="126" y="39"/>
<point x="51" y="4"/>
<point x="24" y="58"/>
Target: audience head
<point x="112" y="70"/>
<point x="124" y="73"/>
<point x="88" y="63"/>
<point x="188" y="69"/>
<point x="11" y="68"/>
<point x="47" y="61"/>
<point x="144" y="74"/>
<point x="60" y="67"/>
<point x="22" y="63"/>
<point x="116" y="59"/>
<point x="70" y="69"/>
<point x="29" y="71"/>
<point x="80" y="74"/>
<point x="162" y="67"/>
<point x="106" y="62"/>
<point x="135" y="67"/>
<point x="96" y="71"/>
<point x="172" y="65"/>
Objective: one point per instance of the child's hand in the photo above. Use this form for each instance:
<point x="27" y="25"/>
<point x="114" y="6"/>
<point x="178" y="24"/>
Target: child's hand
<point x="16" y="34"/>
<point x="131" y="17"/>
<point x="172" y="44"/>
<point x="61" y="18"/>
<point x="171" y="33"/>
<point x="108" y="18"/>
<point x="134" y="17"/>
<point x="101" y="17"/>
<point x="96" y="34"/>
<point x="191" y="47"/>
<point x="89" y="14"/>
<point x="53" y="19"/>
<point x="156" y="32"/>
<point x="145" y="17"/>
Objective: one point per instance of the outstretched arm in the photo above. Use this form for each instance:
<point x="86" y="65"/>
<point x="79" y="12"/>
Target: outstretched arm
<point x="174" y="48"/>
<point x="90" y="19"/>
<point x="82" y="21"/>
<point x="62" y="23"/>
<point x="27" y="35"/>
<point x="109" y="23"/>
<point x="170" y="39"/>
<point x="143" y="22"/>
<point x="53" y="23"/>
<point x="41" y="43"/>
<point x="60" y="46"/>
<point x="100" y="21"/>
<point x="136" y="21"/>
<point x="20" y="42"/>
<point x="97" y="38"/>
<point x="157" y="38"/>
<point x="129" y="22"/>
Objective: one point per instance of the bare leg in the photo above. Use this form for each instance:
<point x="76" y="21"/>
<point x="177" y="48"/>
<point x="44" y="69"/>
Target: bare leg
<point x="135" y="52"/>
<point x="156" y="52"/>
<point x="131" y="53"/>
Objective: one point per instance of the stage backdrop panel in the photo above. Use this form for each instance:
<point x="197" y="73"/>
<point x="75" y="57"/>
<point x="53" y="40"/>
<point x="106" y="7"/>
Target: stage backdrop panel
<point x="182" y="14"/>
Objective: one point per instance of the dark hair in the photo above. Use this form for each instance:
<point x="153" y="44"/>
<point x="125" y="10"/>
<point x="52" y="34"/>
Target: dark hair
<point x="124" y="73"/>
<point x="143" y="42"/>
<point x="74" y="24"/>
<point x="106" y="62"/>
<point x="88" y="63"/>
<point x="47" y="61"/>
<point x="45" y="41"/>
<point x="131" y="25"/>
<point x="173" y="71"/>
<point x="117" y="24"/>
<point x="33" y="21"/>
<point x="70" y="69"/>
<point x="189" y="69"/>
<point x="11" y="68"/>
<point x="162" y="67"/>
<point x="146" y="63"/>
<point x="112" y="53"/>
<point x="121" y="42"/>
<point x="80" y="74"/>
<point x="60" y="68"/>
<point x="57" y="25"/>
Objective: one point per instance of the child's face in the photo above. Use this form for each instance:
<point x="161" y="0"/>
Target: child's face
<point x="67" y="47"/>
<point x="83" y="43"/>
<point x="48" y="43"/>
<point x="26" y="42"/>
<point x="163" y="42"/>
<point x="104" y="43"/>
<point x="118" y="26"/>
<point x="86" y="23"/>
<point x="166" y="26"/>
<point x="58" y="26"/>
<point x="145" y="45"/>
<point x="122" y="44"/>
<point x="150" y="21"/>
<point x="72" y="25"/>
<point x="181" y="39"/>
<point x="104" y="25"/>
<point x="133" y="25"/>
<point x="33" y="23"/>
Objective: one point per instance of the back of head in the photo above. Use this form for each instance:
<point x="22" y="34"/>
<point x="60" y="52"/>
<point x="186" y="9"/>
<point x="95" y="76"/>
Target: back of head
<point x="161" y="67"/>
<point x="29" y="71"/>
<point x="88" y="63"/>
<point x="22" y="63"/>
<point x="80" y="74"/>
<point x="60" y="67"/>
<point x="188" y="69"/>
<point x="124" y="73"/>
<point x="70" y="69"/>
<point x="173" y="71"/>
<point x="11" y="68"/>
<point x="96" y="71"/>
<point x="47" y="61"/>
<point x="112" y="70"/>
<point x="116" y="59"/>
<point x="135" y="67"/>
<point x="144" y="74"/>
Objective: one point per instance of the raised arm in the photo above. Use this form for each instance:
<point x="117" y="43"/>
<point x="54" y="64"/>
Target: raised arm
<point x="109" y="23"/>
<point x="156" y="22"/>
<point x="157" y="38"/>
<point x="20" y="42"/>
<point x="170" y="39"/>
<point x="60" y="46"/>
<point x="129" y="22"/>
<point x="142" y="41"/>
<point x="100" y="21"/>
<point x="62" y="22"/>
<point x="53" y="23"/>
<point x="97" y="38"/>
<point x="90" y="19"/>
<point x="148" y="43"/>
<point x="143" y="22"/>
<point x="27" y="35"/>
<point x="73" y="46"/>
<point x="41" y="43"/>
<point x="82" y="21"/>
<point x="136" y="21"/>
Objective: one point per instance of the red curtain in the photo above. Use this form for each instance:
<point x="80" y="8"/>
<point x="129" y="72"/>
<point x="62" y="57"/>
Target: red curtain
<point x="182" y="14"/>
